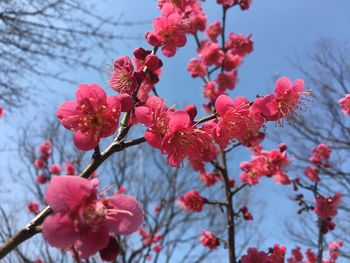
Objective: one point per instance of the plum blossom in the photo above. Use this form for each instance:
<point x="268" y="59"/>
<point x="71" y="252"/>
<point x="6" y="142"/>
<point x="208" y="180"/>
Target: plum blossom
<point x="33" y="207"/>
<point x="211" y="54"/>
<point x="312" y="174"/>
<point x="213" y="31"/>
<point x="91" y="117"/>
<point x="192" y="201"/>
<point x="321" y="155"/>
<point x="209" y="179"/>
<point x="239" y="44"/>
<point x="209" y="240"/>
<point x="197" y="68"/>
<point x="55" y="169"/>
<point x="327" y="206"/>
<point x="81" y="219"/>
<point x="253" y="255"/>
<point x="344" y="104"/>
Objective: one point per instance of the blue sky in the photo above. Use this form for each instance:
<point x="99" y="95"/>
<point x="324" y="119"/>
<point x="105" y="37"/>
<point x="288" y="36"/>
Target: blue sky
<point x="280" y="28"/>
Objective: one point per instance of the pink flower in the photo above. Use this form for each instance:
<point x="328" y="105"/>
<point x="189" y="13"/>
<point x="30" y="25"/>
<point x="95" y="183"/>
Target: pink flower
<point x="70" y="169"/>
<point x="213" y="31"/>
<point x="184" y="140"/>
<point x="122" y="78"/>
<point x="333" y="250"/>
<point x="168" y="32"/>
<point x="33" y="207"/>
<point x="311" y="256"/>
<point x="227" y="80"/>
<point x="345" y="104"/>
<point x="39" y="163"/>
<point x="245" y="4"/>
<point x="236" y="120"/>
<point x="192" y="201"/>
<point x="231" y="62"/>
<point x="209" y="179"/>
<point x="297" y="256"/>
<point x="278" y="254"/>
<point x="239" y="44"/>
<point x="92" y="117"/>
<point x="155" y="116"/>
<point x="45" y="149"/>
<point x="282" y="104"/>
<point x="312" y="174"/>
<point x="327" y="206"/>
<point x="209" y="91"/>
<point x="211" y="54"/>
<point x="55" y="169"/>
<point x="209" y="240"/>
<point x="226" y="3"/>
<point x="197" y="68"/>
<point x="255" y="256"/>
<point x="321" y="155"/>
<point x="81" y="219"/>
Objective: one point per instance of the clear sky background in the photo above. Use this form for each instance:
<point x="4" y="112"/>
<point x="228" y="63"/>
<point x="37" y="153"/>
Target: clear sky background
<point x="280" y="28"/>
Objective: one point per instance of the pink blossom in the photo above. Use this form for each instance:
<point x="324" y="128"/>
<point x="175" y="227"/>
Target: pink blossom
<point x="91" y="117"/>
<point x="227" y="80"/>
<point x="209" y="240"/>
<point x="197" y="68"/>
<point x="278" y="254"/>
<point x="297" y="256"/>
<point x="184" y="140"/>
<point x="196" y="20"/>
<point x="226" y="3"/>
<point x="231" y="61"/>
<point x="81" y="219"/>
<point x="246" y="214"/>
<point x="39" y="163"/>
<point x="255" y="256"/>
<point x="345" y="104"/>
<point x="192" y="201"/>
<point x="168" y="32"/>
<point x="282" y="104"/>
<point x="55" y="169"/>
<point x="155" y="116"/>
<point x="211" y="54"/>
<point x="45" y="148"/>
<point x="209" y="179"/>
<point x="311" y="256"/>
<point x="245" y="4"/>
<point x="236" y="120"/>
<point x="333" y="250"/>
<point x="123" y="79"/>
<point x="312" y="174"/>
<point x="321" y="155"/>
<point x="213" y="31"/>
<point x="239" y="44"/>
<point x="327" y="206"/>
<point x="209" y="91"/>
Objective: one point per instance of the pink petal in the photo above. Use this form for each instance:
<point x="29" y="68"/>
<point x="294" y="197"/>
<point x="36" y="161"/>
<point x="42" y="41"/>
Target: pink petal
<point x="64" y="193"/>
<point x="124" y="223"/>
<point x="92" y="240"/>
<point x="222" y="104"/>
<point x="143" y="115"/>
<point x="153" y="139"/>
<point x="69" y="115"/>
<point x="127" y="102"/>
<point x="85" y="142"/>
<point x="92" y="91"/>
<point x="59" y="231"/>
<point x="179" y="120"/>
<point x="114" y="104"/>
<point x="282" y="85"/>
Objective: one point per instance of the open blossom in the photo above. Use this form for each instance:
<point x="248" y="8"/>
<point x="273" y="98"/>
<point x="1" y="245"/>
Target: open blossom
<point x="296" y="257"/>
<point x="209" y="240"/>
<point x="278" y="254"/>
<point x="122" y="78"/>
<point x="345" y="104"/>
<point x="192" y="201"/>
<point x="81" y="219"/>
<point x="231" y="61"/>
<point x="236" y="120"/>
<point x="91" y="117"/>
<point x="168" y="32"/>
<point x="227" y="80"/>
<point x="287" y="98"/>
<point x="183" y="139"/>
<point x="209" y="179"/>
<point x="155" y="116"/>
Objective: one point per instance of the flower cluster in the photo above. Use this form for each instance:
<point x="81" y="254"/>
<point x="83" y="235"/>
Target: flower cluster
<point x="192" y="201"/>
<point x="83" y="220"/>
<point x="345" y="104"/>
<point x="265" y="163"/>
<point x="321" y="155"/>
<point x="276" y="255"/>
